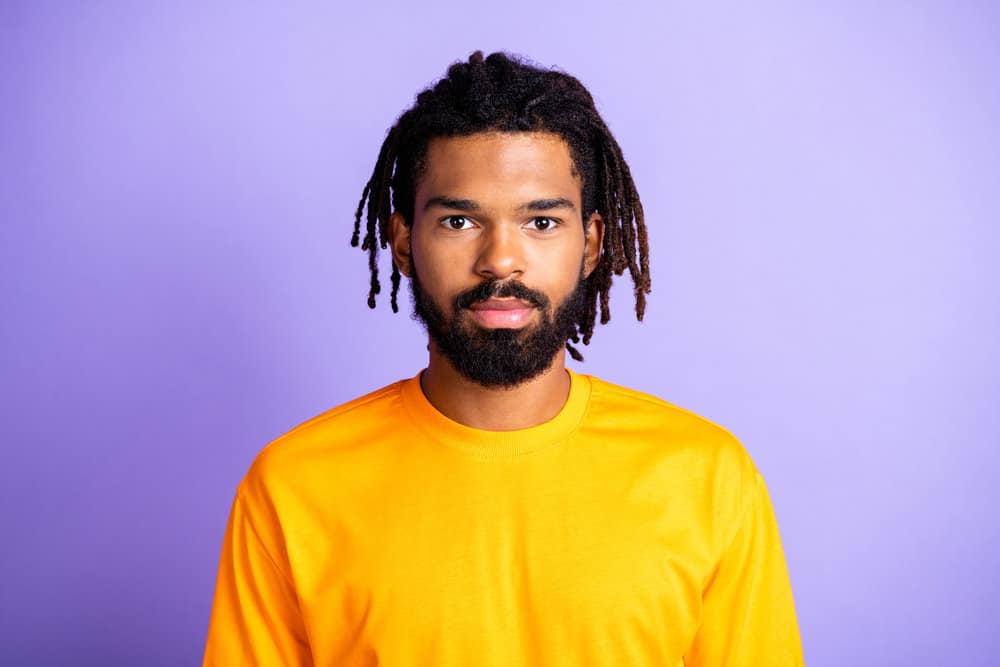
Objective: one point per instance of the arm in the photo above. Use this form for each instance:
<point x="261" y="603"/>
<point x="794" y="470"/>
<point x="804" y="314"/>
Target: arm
<point x="748" y="616"/>
<point x="255" y="613"/>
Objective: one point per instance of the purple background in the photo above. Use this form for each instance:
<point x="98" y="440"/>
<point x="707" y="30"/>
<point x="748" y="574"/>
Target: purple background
<point x="176" y="192"/>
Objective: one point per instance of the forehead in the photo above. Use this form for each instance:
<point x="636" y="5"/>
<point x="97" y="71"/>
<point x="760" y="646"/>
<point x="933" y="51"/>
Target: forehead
<point x="499" y="167"/>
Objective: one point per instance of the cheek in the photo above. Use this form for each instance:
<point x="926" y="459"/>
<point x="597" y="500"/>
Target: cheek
<point x="448" y="261"/>
<point x="559" y="267"/>
<point x="437" y="272"/>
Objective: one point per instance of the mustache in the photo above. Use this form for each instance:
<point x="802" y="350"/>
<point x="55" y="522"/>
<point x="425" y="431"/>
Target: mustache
<point x="501" y="289"/>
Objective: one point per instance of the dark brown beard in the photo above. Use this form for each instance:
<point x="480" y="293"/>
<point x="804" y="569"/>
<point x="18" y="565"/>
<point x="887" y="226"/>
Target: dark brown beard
<point x="499" y="357"/>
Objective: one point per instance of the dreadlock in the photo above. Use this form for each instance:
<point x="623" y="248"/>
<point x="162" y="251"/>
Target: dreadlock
<point x="501" y="93"/>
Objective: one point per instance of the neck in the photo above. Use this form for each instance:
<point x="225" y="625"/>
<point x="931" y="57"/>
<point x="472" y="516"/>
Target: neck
<point x="495" y="408"/>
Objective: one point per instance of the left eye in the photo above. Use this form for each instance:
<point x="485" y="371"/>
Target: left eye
<point x="457" y="222"/>
<point x="543" y="224"/>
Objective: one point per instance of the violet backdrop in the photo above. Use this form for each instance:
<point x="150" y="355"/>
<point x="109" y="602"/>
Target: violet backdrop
<point x="177" y="185"/>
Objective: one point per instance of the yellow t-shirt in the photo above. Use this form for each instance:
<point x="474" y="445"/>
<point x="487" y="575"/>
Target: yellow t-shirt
<point x="623" y="532"/>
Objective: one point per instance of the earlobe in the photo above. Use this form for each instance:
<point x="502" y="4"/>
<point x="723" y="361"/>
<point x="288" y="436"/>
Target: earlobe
<point x="593" y="242"/>
<point x="399" y="241"/>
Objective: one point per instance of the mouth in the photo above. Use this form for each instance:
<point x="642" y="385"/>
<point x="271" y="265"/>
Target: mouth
<point x="497" y="313"/>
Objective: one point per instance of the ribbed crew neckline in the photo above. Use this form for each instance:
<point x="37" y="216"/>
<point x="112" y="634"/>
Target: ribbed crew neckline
<point x="483" y="444"/>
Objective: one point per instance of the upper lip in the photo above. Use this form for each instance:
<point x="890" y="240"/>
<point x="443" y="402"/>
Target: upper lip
<point x="501" y="304"/>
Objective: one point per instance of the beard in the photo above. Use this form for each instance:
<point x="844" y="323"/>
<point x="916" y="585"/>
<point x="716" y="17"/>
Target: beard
<point x="499" y="357"/>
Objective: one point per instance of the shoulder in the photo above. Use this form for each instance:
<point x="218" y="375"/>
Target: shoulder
<point x="709" y="453"/>
<point x="331" y="438"/>
<point x="639" y="412"/>
<point x="357" y="412"/>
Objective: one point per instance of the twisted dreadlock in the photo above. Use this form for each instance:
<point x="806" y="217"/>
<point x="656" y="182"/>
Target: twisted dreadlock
<point x="501" y="93"/>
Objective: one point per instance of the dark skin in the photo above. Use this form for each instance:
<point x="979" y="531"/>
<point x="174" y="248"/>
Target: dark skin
<point x="497" y="206"/>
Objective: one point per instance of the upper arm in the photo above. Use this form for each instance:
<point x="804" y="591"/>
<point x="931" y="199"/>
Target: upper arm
<point x="748" y="615"/>
<point x="255" y="613"/>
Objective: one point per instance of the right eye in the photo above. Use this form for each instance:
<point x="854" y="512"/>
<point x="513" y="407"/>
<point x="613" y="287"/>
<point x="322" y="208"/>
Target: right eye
<point x="457" y="222"/>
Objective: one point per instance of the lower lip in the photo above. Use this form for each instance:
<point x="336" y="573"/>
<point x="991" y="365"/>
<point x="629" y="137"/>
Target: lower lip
<point x="502" y="319"/>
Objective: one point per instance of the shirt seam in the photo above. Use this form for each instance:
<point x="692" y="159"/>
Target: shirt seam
<point x="263" y="545"/>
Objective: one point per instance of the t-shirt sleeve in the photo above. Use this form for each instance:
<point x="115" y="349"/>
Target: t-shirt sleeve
<point x="255" y="615"/>
<point x="748" y="615"/>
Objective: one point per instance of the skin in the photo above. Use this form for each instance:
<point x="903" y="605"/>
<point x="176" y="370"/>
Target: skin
<point x="497" y="206"/>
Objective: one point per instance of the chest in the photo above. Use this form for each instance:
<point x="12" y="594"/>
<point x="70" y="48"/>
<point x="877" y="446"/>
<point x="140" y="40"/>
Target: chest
<point x="501" y="571"/>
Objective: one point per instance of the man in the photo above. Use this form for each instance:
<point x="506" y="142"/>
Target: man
<point x="498" y="509"/>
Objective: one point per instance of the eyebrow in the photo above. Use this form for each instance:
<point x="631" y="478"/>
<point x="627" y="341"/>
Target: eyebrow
<point x="453" y="203"/>
<point x="547" y="204"/>
<point x="469" y="205"/>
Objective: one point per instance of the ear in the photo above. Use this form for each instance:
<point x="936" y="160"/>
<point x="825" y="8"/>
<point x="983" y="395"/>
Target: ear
<point x="593" y="241"/>
<point x="399" y="241"/>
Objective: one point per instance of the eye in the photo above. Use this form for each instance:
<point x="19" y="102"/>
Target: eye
<point x="543" y="224"/>
<point x="457" y="222"/>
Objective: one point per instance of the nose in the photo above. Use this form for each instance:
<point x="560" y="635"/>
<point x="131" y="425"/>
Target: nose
<point x="501" y="253"/>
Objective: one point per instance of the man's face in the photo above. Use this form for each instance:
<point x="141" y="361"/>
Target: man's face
<point x="497" y="252"/>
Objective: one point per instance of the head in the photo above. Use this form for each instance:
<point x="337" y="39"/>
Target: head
<point x="503" y="116"/>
